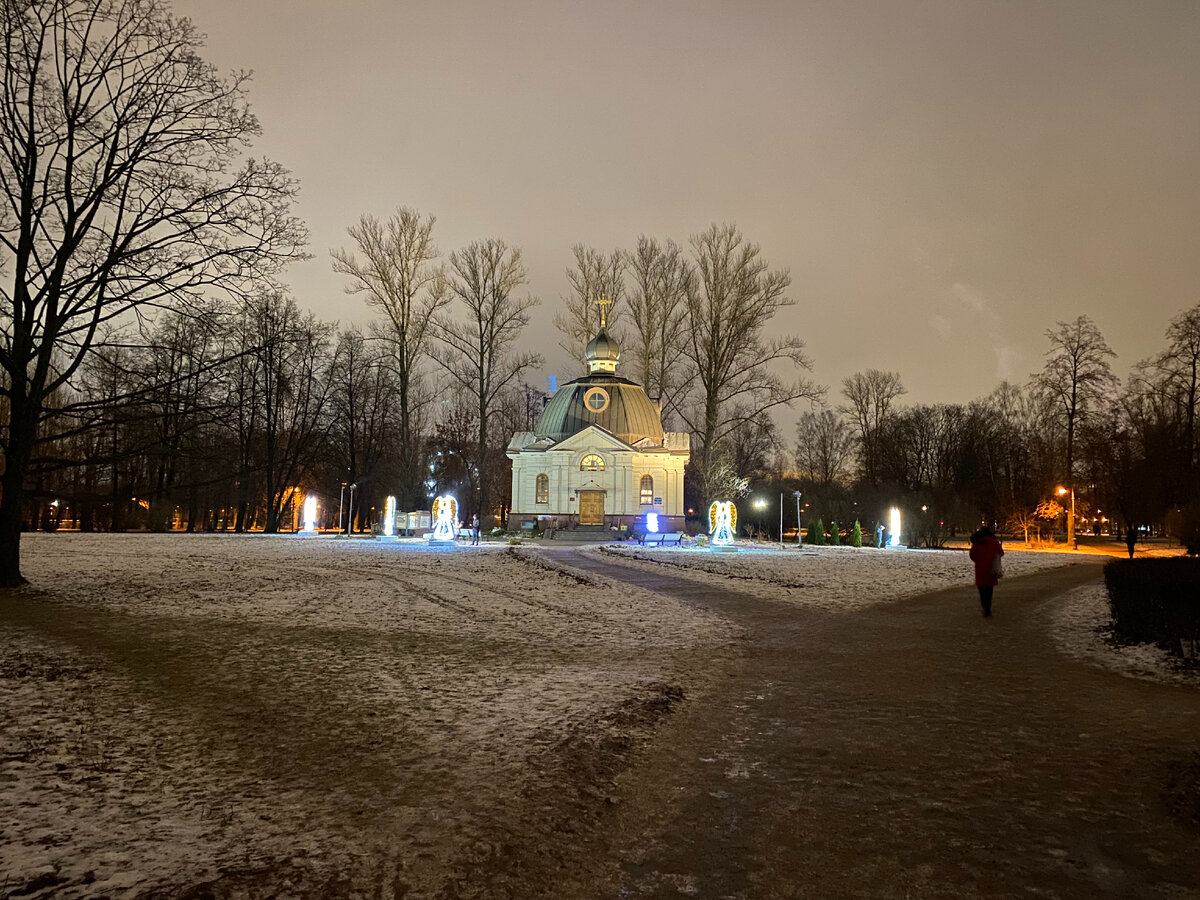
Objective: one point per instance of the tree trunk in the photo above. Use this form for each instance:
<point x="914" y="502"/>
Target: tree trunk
<point x="21" y="434"/>
<point x="10" y="524"/>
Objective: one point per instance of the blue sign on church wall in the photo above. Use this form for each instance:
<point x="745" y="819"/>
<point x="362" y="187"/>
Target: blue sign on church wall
<point x="658" y="501"/>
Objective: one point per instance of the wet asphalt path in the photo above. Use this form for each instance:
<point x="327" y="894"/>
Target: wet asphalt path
<point x="914" y="749"/>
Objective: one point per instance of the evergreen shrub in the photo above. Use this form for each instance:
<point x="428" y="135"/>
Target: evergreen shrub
<point x="834" y="537"/>
<point x="856" y="534"/>
<point x="816" y="533"/>
<point x="1155" y="600"/>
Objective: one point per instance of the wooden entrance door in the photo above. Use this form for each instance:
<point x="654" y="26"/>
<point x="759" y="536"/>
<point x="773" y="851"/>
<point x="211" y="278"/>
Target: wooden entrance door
<point x="591" y="507"/>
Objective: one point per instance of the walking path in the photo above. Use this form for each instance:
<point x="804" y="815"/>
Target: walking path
<point x="913" y="750"/>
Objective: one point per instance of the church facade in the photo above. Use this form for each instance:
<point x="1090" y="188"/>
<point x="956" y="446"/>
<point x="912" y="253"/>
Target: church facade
<point x="598" y="454"/>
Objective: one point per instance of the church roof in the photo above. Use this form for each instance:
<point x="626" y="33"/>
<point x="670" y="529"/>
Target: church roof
<point x="616" y="404"/>
<point x="602" y="353"/>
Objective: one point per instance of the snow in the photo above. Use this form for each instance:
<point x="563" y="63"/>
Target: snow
<point x="1082" y="628"/>
<point x="837" y="579"/>
<point x="175" y="707"/>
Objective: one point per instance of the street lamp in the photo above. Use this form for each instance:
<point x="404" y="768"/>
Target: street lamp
<point x="760" y="504"/>
<point x="350" y="510"/>
<point x="796" y="494"/>
<point x="1071" y="538"/>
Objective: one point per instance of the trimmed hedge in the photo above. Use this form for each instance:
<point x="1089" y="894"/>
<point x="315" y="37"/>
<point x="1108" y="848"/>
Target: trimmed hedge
<point x="1155" y="600"/>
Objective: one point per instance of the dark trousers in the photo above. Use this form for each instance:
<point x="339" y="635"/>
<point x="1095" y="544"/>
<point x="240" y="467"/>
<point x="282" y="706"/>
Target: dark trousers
<point x="985" y="598"/>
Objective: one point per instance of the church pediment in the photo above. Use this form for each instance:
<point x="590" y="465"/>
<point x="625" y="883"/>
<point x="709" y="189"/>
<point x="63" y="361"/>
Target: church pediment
<point x="592" y="438"/>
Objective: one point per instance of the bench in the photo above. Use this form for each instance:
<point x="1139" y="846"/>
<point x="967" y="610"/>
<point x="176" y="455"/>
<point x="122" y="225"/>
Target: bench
<point x="666" y="537"/>
<point x="466" y="533"/>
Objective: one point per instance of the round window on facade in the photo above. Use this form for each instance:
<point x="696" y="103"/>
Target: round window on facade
<point x="596" y="400"/>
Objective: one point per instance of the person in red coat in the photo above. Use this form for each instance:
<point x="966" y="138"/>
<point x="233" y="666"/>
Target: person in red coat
<point x="985" y="550"/>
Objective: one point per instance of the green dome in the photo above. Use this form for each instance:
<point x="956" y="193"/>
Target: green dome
<point x="602" y="353"/>
<point x="616" y="404"/>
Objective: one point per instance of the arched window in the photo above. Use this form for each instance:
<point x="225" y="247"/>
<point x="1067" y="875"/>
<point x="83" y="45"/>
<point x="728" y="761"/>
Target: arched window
<point x="543" y="488"/>
<point x="647" y="492"/>
<point x="591" y="463"/>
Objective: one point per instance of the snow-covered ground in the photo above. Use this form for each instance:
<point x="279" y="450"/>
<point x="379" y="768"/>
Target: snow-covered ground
<point x="175" y="707"/>
<point x="1082" y="628"/>
<point x="831" y="578"/>
<point x="844" y="579"/>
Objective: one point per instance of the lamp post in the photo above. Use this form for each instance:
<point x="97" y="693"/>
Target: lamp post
<point x="781" y="520"/>
<point x="350" y="511"/>
<point x="795" y="494"/>
<point x="1071" y="538"/>
<point x="760" y="504"/>
<point x="341" y="501"/>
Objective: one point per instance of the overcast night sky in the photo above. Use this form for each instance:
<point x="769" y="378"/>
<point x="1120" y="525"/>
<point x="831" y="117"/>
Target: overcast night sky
<point x="944" y="179"/>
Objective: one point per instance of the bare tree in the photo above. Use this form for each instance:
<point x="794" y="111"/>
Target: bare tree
<point x="869" y="396"/>
<point x="1076" y="377"/>
<point x="728" y="307"/>
<point x="363" y="411"/>
<point x="398" y="275"/>
<point x="123" y="186"/>
<point x="1173" y="379"/>
<point x="478" y="354"/>
<point x="662" y="278"/>
<point x="824" y="444"/>
<point x="294" y="389"/>
<point x="593" y="276"/>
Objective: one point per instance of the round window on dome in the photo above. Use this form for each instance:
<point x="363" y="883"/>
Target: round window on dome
<point x="596" y="400"/>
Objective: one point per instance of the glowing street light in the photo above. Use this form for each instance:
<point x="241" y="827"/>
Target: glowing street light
<point x="1071" y="538"/>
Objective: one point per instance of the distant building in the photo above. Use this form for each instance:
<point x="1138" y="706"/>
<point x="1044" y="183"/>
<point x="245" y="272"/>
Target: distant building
<point x="598" y="454"/>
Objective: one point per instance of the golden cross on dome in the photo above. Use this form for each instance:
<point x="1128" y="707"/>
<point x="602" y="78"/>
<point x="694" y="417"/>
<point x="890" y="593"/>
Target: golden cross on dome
<point x="603" y="302"/>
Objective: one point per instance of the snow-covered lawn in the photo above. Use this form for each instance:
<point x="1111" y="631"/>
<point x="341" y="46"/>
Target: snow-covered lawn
<point x="177" y="707"/>
<point x="831" y="578"/>
<point x="1082" y="628"/>
<point x="180" y="708"/>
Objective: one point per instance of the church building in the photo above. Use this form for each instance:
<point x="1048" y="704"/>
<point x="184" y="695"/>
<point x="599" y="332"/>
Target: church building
<point x="598" y="454"/>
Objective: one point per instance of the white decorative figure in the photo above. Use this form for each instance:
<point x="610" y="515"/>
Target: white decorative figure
<point x="652" y="523"/>
<point x="445" y="515"/>
<point x="722" y="518"/>
<point x="894" y="527"/>
<point x="310" y="515"/>
<point x="389" y="517"/>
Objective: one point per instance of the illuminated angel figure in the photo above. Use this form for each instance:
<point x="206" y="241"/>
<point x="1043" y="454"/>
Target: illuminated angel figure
<point x="310" y="514"/>
<point x="445" y="517"/>
<point x="722" y="520"/>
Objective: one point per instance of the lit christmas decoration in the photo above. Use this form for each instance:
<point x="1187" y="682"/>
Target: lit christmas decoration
<point x="894" y="527"/>
<point x="652" y="523"/>
<point x="445" y="517"/>
<point x="310" y="514"/>
<point x="722" y="518"/>
<point x="389" y="517"/>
